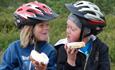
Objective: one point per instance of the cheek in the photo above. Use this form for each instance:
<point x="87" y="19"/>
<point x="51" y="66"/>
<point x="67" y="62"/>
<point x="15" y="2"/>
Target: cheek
<point x="36" y="32"/>
<point x="74" y="36"/>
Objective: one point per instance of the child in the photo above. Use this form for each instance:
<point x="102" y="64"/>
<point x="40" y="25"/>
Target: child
<point x="32" y="20"/>
<point x="83" y="24"/>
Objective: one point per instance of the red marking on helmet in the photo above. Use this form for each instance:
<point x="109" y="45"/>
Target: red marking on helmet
<point x="96" y="22"/>
<point x="44" y="7"/>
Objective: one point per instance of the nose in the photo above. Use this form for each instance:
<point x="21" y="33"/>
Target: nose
<point x="68" y="31"/>
<point x="46" y="27"/>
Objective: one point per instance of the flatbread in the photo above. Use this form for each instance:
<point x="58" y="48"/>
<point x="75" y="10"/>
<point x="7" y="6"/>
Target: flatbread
<point x="76" y="44"/>
<point x="40" y="57"/>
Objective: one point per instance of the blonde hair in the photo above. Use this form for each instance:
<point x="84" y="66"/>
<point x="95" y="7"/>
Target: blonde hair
<point x="26" y="35"/>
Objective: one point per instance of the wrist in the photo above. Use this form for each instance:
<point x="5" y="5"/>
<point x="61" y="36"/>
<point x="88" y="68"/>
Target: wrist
<point x="71" y="62"/>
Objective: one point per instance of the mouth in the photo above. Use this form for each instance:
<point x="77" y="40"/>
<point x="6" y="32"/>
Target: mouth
<point x="68" y="36"/>
<point x="44" y="33"/>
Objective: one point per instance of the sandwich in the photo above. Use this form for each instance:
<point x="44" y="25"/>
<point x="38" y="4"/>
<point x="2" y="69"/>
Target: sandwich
<point x="76" y="44"/>
<point x="40" y="57"/>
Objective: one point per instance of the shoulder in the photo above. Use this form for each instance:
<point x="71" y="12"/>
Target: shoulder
<point x="100" y="45"/>
<point x="13" y="45"/>
<point x="60" y="43"/>
<point x="48" y="48"/>
<point x="12" y="49"/>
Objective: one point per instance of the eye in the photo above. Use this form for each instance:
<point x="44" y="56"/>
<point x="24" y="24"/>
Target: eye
<point x="74" y="29"/>
<point x="41" y="25"/>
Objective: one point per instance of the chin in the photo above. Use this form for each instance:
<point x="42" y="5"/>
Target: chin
<point x="44" y="39"/>
<point x="71" y="40"/>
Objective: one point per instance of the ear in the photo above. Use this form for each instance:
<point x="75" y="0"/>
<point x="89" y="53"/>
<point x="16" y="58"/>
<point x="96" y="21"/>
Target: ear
<point x="86" y="32"/>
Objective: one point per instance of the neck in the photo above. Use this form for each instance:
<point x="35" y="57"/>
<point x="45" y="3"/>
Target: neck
<point x="86" y="39"/>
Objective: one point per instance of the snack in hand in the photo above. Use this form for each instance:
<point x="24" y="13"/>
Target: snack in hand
<point x="40" y="57"/>
<point x="76" y="44"/>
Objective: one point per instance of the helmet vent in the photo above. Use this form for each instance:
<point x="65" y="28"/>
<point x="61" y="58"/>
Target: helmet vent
<point x="44" y="6"/>
<point x="79" y="3"/>
<point x="95" y="8"/>
<point x="85" y="6"/>
<point x="28" y="5"/>
<point x="90" y="12"/>
<point x="30" y="10"/>
<point x="20" y="9"/>
<point x="39" y="9"/>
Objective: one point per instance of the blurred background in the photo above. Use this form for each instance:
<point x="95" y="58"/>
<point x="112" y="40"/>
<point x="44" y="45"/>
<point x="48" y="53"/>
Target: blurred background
<point x="9" y="33"/>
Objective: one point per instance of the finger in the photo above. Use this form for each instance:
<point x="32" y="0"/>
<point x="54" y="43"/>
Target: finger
<point x="73" y="51"/>
<point x="43" y="64"/>
<point x="36" y="68"/>
<point x="69" y="50"/>
<point x="35" y="63"/>
<point x="65" y="47"/>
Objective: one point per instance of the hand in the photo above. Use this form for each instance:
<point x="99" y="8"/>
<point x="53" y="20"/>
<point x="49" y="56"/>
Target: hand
<point x="39" y="66"/>
<point x="71" y="55"/>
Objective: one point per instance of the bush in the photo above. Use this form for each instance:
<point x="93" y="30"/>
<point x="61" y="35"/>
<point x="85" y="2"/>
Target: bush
<point x="108" y="35"/>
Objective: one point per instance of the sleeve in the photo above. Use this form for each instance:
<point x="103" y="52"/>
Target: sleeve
<point x="104" y="62"/>
<point x="52" y="60"/>
<point x="8" y="59"/>
<point x="62" y="60"/>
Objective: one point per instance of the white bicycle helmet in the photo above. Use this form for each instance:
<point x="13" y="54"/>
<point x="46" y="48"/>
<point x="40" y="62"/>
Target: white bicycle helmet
<point x="90" y="13"/>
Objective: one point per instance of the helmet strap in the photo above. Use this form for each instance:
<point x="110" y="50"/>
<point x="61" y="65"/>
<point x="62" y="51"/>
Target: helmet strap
<point x="81" y="34"/>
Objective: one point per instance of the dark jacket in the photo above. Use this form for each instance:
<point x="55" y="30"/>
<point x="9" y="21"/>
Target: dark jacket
<point x="17" y="58"/>
<point x="98" y="58"/>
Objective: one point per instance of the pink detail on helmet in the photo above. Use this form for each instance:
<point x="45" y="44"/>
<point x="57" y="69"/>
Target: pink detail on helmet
<point x="33" y="8"/>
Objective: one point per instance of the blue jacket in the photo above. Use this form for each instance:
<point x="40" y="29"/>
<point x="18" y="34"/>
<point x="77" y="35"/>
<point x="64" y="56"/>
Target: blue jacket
<point x="17" y="58"/>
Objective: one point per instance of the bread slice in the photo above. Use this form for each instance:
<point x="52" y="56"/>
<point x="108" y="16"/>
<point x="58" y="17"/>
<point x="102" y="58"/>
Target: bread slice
<point x="76" y="44"/>
<point x="40" y="57"/>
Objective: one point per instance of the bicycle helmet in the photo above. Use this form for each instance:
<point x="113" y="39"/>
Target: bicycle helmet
<point x="32" y="13"/>
<point x="89" y="14"/>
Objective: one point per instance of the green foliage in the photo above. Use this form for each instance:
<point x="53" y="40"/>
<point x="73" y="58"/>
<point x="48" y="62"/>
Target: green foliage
<point x="108" y="35"/>
<point x="107" y="6"/>
<point x="8" y="37"/>
<point x="57" y="29"/>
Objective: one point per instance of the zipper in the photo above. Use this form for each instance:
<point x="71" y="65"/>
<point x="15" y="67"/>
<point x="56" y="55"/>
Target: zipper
<point x="30" y="66"/>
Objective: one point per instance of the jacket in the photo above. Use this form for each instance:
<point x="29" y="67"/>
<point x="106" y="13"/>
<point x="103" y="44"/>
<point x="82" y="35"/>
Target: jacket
<point x="17" y="58"/>
<point x="98" y="58"/>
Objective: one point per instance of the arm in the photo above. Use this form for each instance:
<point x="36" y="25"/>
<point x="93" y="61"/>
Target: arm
<point x="8" y="59"/>
<point x="104" y="63"/>
<point x="62" y="63"/>
<point x="51" y="65"/>
<point x="52" y="60"/>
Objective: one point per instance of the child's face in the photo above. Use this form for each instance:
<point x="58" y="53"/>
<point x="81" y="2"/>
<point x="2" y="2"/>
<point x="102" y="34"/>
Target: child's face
<point x="41" y="31"/>
<point x="73" y="31"/>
